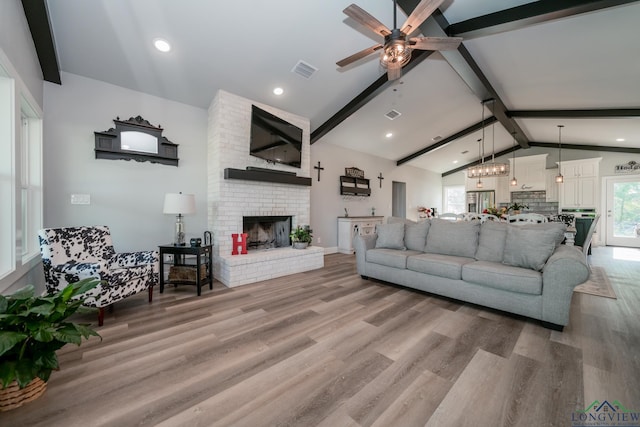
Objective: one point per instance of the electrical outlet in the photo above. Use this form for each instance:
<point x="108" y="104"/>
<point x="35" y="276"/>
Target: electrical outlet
<point x="319" y="240"/>
<point x="80" y="199"/>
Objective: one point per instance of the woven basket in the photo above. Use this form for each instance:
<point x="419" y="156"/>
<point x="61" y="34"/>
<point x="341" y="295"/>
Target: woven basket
<point x="13" y="396"/>
<point x="186" y="273"/>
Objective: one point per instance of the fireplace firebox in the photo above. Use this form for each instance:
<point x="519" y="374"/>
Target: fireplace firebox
<point x="267" y="232"/>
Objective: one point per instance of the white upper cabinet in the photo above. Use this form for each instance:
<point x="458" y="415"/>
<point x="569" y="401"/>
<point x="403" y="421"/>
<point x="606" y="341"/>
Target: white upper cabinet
<point x="530" y="172"/>
<point x="580" y="186"/>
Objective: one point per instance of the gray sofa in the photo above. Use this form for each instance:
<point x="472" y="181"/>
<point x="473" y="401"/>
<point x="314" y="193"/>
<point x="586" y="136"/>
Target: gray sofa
<point x="521" y="269"/>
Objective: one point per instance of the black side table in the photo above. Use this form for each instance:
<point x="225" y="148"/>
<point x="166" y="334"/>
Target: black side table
<point x="190" y="257"/>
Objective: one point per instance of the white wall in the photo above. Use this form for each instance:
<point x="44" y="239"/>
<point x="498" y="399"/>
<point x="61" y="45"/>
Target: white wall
<point x="16" y="42"/>
<point x="423" y="188"/>
<point x="127" y="196"/>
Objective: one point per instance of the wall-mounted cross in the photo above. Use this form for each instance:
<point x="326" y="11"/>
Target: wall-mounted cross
<point x="380" y="177"/>
<point x="319" y="169"/>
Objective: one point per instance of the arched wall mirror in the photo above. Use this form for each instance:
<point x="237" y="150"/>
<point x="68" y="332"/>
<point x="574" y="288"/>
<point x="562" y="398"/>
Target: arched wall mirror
<point x="136" y="139"/>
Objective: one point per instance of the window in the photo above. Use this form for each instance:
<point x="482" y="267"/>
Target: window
<point x="20" y="176"/>
<point x="31" y="180"/>
<point x="7" y="180"/>
<point x="454" y="199"/>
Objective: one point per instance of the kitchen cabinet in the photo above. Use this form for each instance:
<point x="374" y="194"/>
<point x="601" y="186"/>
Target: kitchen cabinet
<point x="580" y="186"/>
<point x="503" y="195"/>
<point x="552" y="187"/>
<point x="530" y="172"/>
<point x="349" y="227"/>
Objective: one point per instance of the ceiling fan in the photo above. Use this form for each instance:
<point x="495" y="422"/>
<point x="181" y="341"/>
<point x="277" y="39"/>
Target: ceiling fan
<point x="396" y="50"/>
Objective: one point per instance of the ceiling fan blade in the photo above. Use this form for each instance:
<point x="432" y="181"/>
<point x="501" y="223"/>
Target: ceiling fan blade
<point x="435" y="43"/>
<point x="363" y="17"/>
<point x="353" y="58"/>
<point x="394" y="73"/>
<point x="422" y="11"/>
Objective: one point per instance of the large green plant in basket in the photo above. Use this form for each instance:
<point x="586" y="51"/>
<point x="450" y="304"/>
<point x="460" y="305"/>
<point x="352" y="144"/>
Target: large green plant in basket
<point x="33" y="328"/>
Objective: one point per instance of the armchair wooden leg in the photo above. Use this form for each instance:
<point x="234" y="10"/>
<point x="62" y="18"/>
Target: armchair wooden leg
<point x="150" y="293"/>
<point x="100" y="316"/>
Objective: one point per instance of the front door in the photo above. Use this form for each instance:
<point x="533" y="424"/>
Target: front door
<point x="623" y="211"/>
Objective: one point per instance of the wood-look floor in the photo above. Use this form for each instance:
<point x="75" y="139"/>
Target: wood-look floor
<point x="330" y="349"/>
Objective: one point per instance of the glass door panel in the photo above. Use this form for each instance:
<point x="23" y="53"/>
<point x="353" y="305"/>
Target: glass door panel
<point x="623" y="211"/>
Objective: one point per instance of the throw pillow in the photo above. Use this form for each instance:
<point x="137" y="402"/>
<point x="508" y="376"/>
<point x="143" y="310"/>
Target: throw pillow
<point x="493" y="236"/>
<point x="415" y="235"/>
<point x="458" y="238"/>
<point x="530" y="246"/>
<point x="390" y="236"/>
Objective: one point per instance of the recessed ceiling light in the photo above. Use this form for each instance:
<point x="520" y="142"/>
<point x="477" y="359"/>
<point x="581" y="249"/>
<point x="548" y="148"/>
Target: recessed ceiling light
<point x="620" y="139"/>
<point x="162" y="45"/>
<point x="389" y="135"/>
<point x="455" y="162"/>
<point x="278" y="91"/>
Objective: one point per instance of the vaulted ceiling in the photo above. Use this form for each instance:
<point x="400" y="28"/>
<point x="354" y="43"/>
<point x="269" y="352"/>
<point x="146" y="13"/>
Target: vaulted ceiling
<point x="545" y="63"/>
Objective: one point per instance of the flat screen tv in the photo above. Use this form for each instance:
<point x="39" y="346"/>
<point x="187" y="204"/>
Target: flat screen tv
<point x="275" y="140"/>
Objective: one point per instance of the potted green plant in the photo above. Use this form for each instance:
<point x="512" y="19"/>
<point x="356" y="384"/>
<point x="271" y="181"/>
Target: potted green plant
<point x="32" y="329"/>
<point x="301" y="237"/>
<point x="516" y="207"/>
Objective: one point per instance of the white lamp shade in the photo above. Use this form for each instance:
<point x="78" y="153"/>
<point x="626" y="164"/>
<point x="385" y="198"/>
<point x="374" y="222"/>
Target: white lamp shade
<point x="178" y="203"/>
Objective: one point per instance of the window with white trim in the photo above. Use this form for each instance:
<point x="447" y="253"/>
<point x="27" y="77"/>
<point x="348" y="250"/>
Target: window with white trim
<point x="31" y="180"/>
<point x="7" y="175"/>
<point x="454" y="199"/>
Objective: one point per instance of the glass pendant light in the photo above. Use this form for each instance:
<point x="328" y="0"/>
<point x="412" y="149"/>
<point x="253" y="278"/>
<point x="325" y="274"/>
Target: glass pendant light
<point x="514" y="180"/>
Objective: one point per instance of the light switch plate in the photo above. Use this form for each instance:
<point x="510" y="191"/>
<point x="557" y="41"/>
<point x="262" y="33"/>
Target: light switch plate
<point x="80" y="199"/>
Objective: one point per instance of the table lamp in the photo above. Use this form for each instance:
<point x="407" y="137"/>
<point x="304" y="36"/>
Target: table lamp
<point x="179" y="204"/>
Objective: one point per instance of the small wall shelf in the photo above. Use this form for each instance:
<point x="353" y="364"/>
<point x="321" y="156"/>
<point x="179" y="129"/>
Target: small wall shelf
<point x="265" y="176"/>
<point x="352" y="186"/>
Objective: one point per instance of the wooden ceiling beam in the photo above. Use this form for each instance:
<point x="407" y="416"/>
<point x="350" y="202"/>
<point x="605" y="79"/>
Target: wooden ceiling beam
<point x="38" y="19"/>
<point x="522" y="16"/>
<point x="576" y="114"/>
<point x="447" y="140"/>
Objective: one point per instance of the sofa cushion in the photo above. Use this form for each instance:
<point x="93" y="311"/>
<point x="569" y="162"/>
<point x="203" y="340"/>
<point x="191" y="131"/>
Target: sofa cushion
<point x="453" y="238"/>
<point x="491" y="241"/>
<point x="390" y="236"/>
<point x="438" y="265"/>
<point x="389" y="257"/>
<point x="500" y="276"/>
<point x="530" y="246"/>
<point x="415" y="235"/>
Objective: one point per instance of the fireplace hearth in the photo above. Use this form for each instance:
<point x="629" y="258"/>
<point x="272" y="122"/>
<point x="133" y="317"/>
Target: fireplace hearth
<point x="267" y="232"/>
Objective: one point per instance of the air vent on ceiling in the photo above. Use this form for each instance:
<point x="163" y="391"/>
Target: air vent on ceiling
<point x="392" y="115"/>
<point x="304" y="69"/>
<point x="464" y="152"/>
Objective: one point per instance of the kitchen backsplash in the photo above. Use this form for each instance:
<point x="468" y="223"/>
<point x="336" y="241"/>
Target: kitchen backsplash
<point x="536" y="202"/>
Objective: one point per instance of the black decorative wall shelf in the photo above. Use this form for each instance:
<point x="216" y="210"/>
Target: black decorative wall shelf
<point x="353" y="186"/>
<point x="110" y="145"/>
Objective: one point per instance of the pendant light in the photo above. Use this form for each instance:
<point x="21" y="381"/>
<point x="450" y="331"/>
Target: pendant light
<point x="490" y="168"/>
<point x="514" y="180"/>
<point x="559" y="177"/>
<point x="481" y="155"/>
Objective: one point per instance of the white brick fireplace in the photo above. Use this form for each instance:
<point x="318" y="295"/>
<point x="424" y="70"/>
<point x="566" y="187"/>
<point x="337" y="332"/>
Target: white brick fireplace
<point x="231" y="199"/>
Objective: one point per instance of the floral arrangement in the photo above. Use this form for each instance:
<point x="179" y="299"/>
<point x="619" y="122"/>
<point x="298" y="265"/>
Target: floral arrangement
<point x="515" y="206"/>
<point x="493" y="210"/>
<point x="424" y="212"/>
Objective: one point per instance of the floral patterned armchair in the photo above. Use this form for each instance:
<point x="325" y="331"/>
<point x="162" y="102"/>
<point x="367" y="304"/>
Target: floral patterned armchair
<point x="74" y="253"/>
